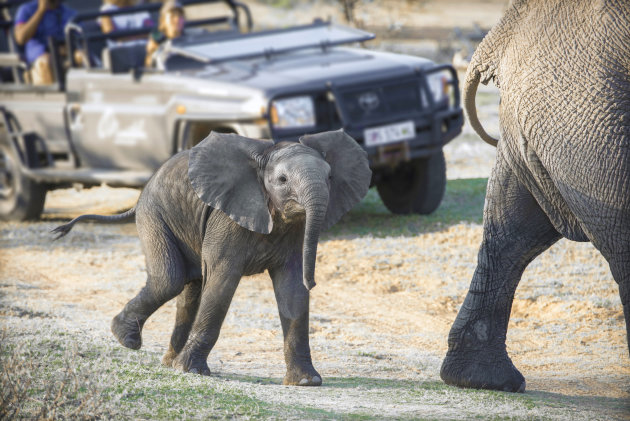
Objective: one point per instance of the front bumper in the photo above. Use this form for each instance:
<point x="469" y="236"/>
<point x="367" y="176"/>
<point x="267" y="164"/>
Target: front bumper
<point x="430" y="137"/>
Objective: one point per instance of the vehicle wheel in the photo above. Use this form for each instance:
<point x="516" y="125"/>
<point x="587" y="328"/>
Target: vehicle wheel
<point x="415" y="187"/>
<point x="21" y="199"/>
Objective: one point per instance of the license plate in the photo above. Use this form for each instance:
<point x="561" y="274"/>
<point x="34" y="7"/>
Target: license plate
<point x="388" y="134"/>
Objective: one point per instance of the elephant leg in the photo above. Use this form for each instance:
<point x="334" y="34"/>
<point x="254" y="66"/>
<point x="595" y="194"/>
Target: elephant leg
<point x="293" y="303"/>
<point x="620" y="268"/>
<point x="297" y="352"/>
<point x="166" y="278"/>
<point x="516" y="230"/>
<point x="187" y="305"/>
<point x="216" y="296"/>
<point x="616" y="250"/>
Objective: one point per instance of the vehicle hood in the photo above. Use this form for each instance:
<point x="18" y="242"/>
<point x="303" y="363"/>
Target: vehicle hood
<point x="313" y="69"/>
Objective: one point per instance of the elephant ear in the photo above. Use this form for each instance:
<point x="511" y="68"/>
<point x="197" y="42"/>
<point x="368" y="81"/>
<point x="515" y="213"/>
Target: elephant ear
<point x="223" y="171"/>
<point x="350" y="171"/>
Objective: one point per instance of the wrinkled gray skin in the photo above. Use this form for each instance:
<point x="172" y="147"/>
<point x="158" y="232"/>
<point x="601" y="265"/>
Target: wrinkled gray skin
<point x="562" y="167"/>
<point x="274" y="201"/>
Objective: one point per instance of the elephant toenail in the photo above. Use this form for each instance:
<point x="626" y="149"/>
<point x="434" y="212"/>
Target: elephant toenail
<point x="193" y="371"/>
<point x="316" y="380"/>
<point x="132" y="341"/>
<point x="303" y="382"/>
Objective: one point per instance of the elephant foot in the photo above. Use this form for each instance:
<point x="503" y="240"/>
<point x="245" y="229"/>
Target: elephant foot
<point x="482" y="369"/>
<point x="127" y="330"/>
<point x="188" y="363"/>
<point x="169" y="357"/>
<point x="302" y="377"/>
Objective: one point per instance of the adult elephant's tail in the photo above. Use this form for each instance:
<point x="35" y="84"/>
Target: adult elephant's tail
<point x="470" y="91"/>
<point x="62" y="230"/>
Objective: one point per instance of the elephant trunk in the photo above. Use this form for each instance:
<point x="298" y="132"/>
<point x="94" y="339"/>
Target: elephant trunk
<point x="315" y="205"/>
<point x="470" y="90"/>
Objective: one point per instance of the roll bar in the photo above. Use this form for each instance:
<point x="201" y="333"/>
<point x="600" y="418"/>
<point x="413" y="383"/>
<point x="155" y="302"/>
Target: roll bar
<point x="76" y="34"/>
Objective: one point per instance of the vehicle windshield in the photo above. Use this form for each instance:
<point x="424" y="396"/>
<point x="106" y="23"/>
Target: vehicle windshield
<point x="319" y="34"/>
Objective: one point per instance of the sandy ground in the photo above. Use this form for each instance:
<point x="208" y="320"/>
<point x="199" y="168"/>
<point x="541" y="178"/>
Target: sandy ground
<point x="412" y="13"/>
<point x="382" y="308"/>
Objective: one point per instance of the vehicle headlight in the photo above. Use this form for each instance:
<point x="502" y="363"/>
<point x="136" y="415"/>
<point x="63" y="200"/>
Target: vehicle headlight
<point x="438" y="86"/>
<point x="293" y="112"/>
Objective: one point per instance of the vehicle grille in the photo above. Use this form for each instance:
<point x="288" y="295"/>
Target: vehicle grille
<point x="368" y="105"/>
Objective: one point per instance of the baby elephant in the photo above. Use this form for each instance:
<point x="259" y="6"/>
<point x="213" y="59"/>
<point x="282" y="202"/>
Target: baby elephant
<point x="229" y="207"/>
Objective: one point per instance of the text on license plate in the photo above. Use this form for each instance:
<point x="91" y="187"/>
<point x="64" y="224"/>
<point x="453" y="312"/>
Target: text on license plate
<point x="390" y="133"/>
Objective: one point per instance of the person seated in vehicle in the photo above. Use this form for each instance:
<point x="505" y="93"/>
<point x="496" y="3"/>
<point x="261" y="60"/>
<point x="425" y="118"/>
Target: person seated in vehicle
<point x="35" y="22"/>
<point x="122" y="22"/>
<point x="171" y="26"/>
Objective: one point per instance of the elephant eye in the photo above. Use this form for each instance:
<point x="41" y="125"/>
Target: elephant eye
<point x="282" y="179"/>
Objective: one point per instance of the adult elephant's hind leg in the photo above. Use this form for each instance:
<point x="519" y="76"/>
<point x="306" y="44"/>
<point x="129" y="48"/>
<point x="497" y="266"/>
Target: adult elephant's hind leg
<point x="166" y="278"/>
<point x="516" y="230"/>
<point x="620" y="267"/>
<point x="614" y="243"/>
<point x="187" y="305"/>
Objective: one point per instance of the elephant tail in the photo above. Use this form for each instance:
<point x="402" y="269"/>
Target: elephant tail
<point x="470" y="91"/>
<point x="62" y="230"/>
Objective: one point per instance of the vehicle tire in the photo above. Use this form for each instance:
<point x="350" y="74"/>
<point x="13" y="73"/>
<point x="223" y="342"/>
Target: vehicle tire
<point x="21" y="198"/>
<point x="415" y="187"/>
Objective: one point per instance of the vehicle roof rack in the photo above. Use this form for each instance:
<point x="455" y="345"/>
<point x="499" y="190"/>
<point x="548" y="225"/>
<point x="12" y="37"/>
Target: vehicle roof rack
<point x="319" y="34"/>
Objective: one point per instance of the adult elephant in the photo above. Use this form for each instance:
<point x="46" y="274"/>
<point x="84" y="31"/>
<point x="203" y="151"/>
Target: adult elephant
<point x="562" y="164"/>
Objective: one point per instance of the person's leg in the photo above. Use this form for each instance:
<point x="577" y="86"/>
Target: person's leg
<point x="40" y="63"/>
<point x="41" y="71"/>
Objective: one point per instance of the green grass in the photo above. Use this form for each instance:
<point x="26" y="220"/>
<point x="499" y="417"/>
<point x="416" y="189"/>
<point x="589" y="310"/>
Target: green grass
<point x="127" y="384"/>
<point x="487" y="98"/>
<point x="463" y="202"/>
<point x="96" y="380"/>
<point x="372" y="383"/>
<point x="150" y="390"/>
<point x="480" y="397"/>
<point x="281" y="4"/>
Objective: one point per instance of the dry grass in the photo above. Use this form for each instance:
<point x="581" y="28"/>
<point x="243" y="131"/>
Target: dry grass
<point x="43" y="382"/>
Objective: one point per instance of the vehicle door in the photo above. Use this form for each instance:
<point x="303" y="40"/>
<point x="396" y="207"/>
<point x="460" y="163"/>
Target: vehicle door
<point x="119" y="121"/>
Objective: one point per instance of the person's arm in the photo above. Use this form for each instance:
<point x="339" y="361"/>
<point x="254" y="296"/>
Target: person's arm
<point x="152" y="47"/>
<point x="106" y="22"/>
<point x="26" y="30"/>
<point x="107" y="25"/>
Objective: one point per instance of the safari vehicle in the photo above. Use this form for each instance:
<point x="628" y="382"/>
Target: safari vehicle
<point x="111" y="120"/>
